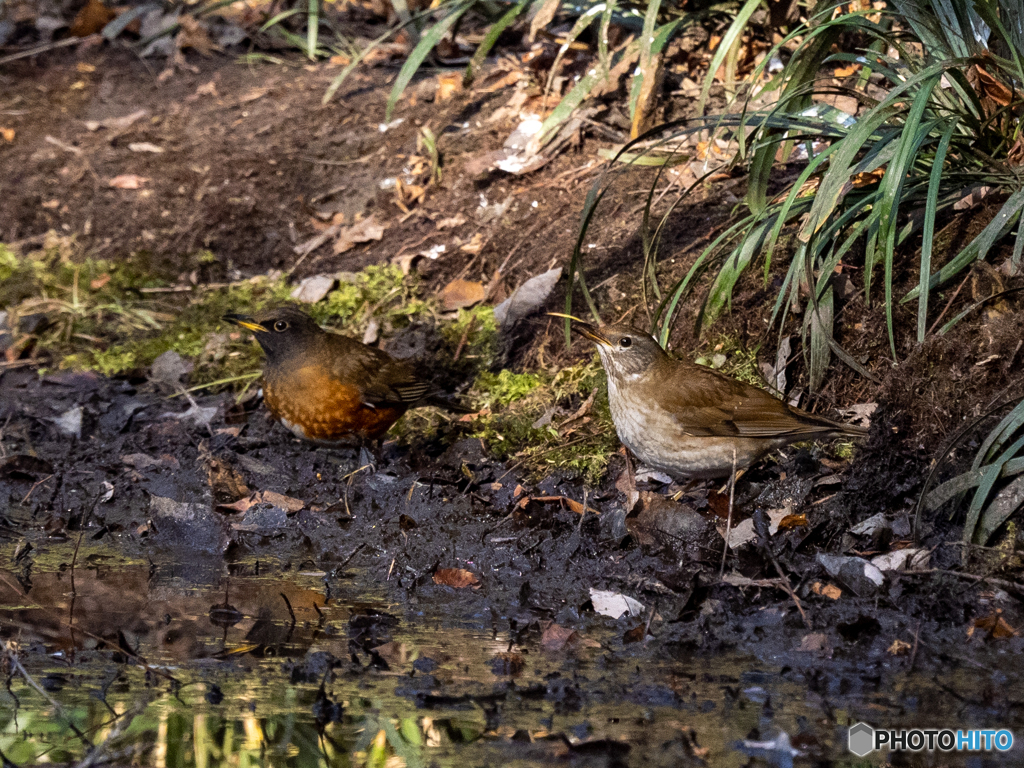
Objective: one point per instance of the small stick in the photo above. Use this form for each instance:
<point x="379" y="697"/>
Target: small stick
<point x="728" y="522"/>
<point x="913" y="653"/>
<point x="464" y="339"/>
<point x="16" y="663"/>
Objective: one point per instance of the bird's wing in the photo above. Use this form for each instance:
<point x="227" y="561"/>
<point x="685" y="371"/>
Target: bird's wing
<point x="706" y="403"/>
<point x="381" y="379"/>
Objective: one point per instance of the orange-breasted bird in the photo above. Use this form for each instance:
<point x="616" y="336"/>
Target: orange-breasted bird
<point x="328" y="388"/>
<point x="690" y="421"/>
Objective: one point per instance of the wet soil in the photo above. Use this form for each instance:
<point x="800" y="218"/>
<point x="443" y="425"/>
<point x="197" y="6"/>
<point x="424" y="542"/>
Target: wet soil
<point x="115" y="544"/>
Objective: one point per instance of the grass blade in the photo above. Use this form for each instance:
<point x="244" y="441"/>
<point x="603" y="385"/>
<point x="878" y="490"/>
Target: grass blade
<point x="426" y="44"/>
<point x="928" y="235"/>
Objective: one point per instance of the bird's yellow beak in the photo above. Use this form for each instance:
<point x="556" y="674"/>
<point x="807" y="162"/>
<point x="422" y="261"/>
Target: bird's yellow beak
<point x="586" y="330"/>
<point x="246" y="322"/>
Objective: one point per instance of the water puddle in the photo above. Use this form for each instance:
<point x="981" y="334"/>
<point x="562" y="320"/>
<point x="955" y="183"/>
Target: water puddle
<point x="164" y="664"/>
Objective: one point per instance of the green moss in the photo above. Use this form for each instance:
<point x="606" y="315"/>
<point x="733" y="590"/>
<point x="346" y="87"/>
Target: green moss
<point x="731" y="357"/>
<point x="505" y="387"/>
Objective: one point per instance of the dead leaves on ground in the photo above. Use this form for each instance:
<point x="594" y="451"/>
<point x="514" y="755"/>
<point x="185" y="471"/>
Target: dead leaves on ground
<point x="289" y="504"/>
<point x="457" y="578"/>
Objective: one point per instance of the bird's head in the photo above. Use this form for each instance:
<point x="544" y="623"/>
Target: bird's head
<point x="625" y="351"/>
<point x="280" y="331"/>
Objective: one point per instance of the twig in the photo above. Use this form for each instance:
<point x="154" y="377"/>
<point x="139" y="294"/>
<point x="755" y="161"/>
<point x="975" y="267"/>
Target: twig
<point x="464" y="339"/>
<point x="728" y="522"/>
<point x="36" y="485"/>
<point x="50" y="47"/>
<point x="917" y="642"/>
<point x="15" y="662"/>
<point x="949" y="303"/>
<point x="123" y="723"/>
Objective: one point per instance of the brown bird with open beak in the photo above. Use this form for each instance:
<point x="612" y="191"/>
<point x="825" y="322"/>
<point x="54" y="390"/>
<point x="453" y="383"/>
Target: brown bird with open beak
<point x="689" y="421"/>
<point x="329" y="388"/>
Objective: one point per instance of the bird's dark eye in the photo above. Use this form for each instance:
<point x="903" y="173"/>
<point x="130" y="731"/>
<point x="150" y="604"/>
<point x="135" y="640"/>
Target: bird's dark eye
<point x="281" y="325"/>
<point x="625" y="341"/>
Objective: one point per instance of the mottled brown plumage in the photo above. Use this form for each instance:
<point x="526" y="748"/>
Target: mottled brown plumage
<point x="329" y="388"/>
<point x="689" y="421"/>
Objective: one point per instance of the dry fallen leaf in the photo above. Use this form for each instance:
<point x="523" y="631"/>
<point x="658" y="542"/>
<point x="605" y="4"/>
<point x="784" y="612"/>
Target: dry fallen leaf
<point x="145" y="146"/>
<point x="194" y="35"/>
<point x="450" y="223"/>
<point x="814" y="642"/>
<point x="475" y="244"/>
<point x="459" y="294"/>
<point x="828" y="590"/>
<point x="127" y="181"/>
<point x="8" y="134"/>
<point x="117" y="123"/>
<point x="995" y="625"/>
<point x="287" y="503"/>
<point x="898" y="648"/>
<point x="448" y="84"/>
<point x="459" y="578"/>
<point x="361" y="232"/>
<point x="557" y="637"/>
<point x="100" y="281"/>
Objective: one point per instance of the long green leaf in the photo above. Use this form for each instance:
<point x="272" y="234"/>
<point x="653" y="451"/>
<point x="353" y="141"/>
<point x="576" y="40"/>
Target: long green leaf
<point x="979" y="247"/>
<point x="731" y="36"/>
<point x="928" y="235"/>
<point x="312" y="27"/>
<point x="988" y="479"/>
<point x="426" y="44"/>
<point x="491" y="38"/>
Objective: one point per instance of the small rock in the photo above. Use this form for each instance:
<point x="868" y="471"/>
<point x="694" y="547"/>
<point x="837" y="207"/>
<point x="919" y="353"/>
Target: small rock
<point x="170" y="368"/>
<point x="312" y="289"/>
<point x="70" y="422"/>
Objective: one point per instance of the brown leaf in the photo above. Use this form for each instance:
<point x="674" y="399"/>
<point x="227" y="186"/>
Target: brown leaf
<point x="995" y="625"/>
<point x="7" y="134"/>
<point x="898" y="647"/>
<point x="242" y="505"/>
<point x="814" y="642"/>
<point x="792" y="521"/>
<point x="828" y="590"/>
<point x="573" y="505"/>
<point x="287" y="503"/>
<point x="634" y="635"/>
<point x="127" y="181"/>
<point x="556" y="637"/>
<point x="474" y="246"/>
<point x="361" y="232"/>
<point x="194" y="35"/>
<point x="225" y="483"/>
<point x="100" y="281"/>
<point x="448" y="84"/>
<point x="459" y="578"/>
<point x="459" y="294"/>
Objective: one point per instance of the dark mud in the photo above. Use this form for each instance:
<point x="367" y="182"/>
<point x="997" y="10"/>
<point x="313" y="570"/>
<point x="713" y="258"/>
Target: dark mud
<point x="126" y="586"/>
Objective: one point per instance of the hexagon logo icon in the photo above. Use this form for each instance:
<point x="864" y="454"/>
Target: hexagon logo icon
<point x="861" y="739"/>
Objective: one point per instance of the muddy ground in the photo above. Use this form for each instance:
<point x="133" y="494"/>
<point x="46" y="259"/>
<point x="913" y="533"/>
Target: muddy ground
<point x="250" y="162"/>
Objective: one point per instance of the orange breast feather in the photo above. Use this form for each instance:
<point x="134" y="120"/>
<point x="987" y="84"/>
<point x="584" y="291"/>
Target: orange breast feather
<point x="316" y="406"/>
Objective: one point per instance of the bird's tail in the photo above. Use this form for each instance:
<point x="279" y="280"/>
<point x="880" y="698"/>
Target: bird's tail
<point x="438" y="401"/>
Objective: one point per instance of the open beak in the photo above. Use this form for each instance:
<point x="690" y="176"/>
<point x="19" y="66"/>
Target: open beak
<point x="586" y="330"/>
<point x="245" y="322"/>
